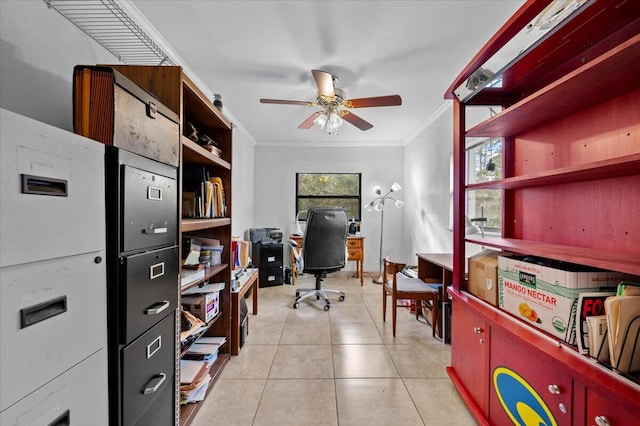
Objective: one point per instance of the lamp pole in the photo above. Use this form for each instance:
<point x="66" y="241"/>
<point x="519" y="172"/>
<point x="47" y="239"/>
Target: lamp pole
<point x="378" y="204"/>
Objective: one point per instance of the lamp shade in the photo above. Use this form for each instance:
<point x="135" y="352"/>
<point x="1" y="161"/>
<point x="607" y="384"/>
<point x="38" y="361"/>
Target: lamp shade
<point x="395" y="187"/>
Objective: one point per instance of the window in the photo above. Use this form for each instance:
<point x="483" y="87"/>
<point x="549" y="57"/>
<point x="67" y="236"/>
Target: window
<point x="484" y="163"/>
<point x="329" y="190"/>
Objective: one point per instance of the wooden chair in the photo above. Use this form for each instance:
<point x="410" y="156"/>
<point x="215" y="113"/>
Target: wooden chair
<point x="406" y="288"/>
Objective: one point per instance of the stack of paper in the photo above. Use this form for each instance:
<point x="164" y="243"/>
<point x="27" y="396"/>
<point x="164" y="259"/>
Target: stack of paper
<point x="205" y="349"/>
<point x="623" y="323"/>
<point x="598" y="340"/>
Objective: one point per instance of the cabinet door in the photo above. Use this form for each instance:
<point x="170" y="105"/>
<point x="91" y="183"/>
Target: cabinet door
<point x="469" y="354"/>
<point x="525" y="389"/>
<point x="602" y="411"/>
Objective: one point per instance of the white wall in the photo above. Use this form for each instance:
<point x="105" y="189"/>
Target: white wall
<point x="242" y="177"/>
<point x="38" y="50"/>
<point x="274" y="189"/>
<point x="427" y="175"/>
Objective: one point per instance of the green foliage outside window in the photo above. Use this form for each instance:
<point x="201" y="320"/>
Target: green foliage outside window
<point x="328" y="190"/>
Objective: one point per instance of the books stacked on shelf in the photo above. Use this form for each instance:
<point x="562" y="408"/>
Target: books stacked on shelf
<point x="194" y="380"/>
<point x="203" y="196"/>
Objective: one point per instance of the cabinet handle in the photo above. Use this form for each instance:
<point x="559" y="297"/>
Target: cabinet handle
<point x="152" y="388"/>
<point x="41" y="185"/>
<point x="42" y="311"/>
<point x="602" y="421"/>
<point x="153" y="310"/>
<point x="155" y="231"/>
<point x="477" y="330"/>
<point x="554" y="389"/>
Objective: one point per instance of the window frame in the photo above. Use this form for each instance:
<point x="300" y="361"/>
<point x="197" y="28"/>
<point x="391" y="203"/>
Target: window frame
<point x="345" y="197"/>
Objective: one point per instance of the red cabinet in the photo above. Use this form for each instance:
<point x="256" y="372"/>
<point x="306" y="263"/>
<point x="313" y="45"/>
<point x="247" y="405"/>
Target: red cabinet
<point x="469" y="333"/>
<point x="523" y="384"/>
<point x="567" y="108"/>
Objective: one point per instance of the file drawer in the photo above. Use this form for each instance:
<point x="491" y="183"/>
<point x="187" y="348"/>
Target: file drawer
<point x="270" y="276"/>
<point x="148" y="366"/>
<point x="161" y="412"/>
<point x="150" y="288"/>
<point x="147" y="194"/>
<point x="77" y="397"/>
<point x="52" y="192"/>
<point x="53" y="316"/>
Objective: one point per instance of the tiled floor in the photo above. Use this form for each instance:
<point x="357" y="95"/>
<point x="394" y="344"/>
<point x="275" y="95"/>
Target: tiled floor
<point x="306" y="366"/>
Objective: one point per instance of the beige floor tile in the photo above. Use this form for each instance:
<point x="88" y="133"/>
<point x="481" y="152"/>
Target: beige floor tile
<point x="421" y="361"/>
<point x="223" y="404"/>
<point x="360" y="361"/>
<point x="253" y="362"/>
<point x="298" y="402"/>
<point x="375" y="402"/>
<point x="438" y="402"/>
<point x="264" y="332"/>
<point x="302" y="362"/>
<point x="344" y="333"/>
<point x="308" y="313"/>
<point x="349" y="314"/>
<point x="407" y="332"/>
<point x="303" y="333"/>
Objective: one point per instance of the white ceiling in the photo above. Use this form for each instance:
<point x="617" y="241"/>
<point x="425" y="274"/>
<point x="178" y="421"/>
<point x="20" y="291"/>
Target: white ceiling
<point x="247" y="50"/>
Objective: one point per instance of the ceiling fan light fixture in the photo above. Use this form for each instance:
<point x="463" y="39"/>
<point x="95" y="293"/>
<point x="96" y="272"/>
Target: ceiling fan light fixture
<point x="334" y="122"/>
<point x="320" y="121"/>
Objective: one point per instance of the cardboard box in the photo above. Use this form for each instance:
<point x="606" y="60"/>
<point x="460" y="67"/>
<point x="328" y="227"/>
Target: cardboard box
<point x="545" y="293"/>
<point x="483" y="275"/>
<point x="204" y="306"/>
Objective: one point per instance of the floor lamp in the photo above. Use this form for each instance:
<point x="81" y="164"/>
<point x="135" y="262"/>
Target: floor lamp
<point x="377" y="204"/>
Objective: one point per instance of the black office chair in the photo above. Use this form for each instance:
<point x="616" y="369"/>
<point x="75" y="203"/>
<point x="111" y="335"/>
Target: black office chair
<point x="324" y="249"/>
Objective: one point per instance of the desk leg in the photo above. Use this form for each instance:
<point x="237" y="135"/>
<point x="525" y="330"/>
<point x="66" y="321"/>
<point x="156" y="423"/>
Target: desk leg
<point x="255" y="298"/>
<point x="361" y="271"/>
<point x="235" y="324"/>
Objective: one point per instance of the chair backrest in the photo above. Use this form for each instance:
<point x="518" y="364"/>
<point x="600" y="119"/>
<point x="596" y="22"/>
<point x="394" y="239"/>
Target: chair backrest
<point x="389" y="271"/>
<point x="325" y="239"/>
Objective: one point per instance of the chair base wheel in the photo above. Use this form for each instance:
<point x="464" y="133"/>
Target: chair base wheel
<point x="341" y="298"/>
<point x="326" y="307"/>
<point x="295" y="305"/>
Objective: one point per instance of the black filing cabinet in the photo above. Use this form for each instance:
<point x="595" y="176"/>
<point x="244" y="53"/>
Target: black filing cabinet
<point x="267" y="256"/>
<point x="143" y="265"/>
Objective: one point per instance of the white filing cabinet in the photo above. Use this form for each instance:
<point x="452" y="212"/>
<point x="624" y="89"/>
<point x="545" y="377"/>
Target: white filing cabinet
<point x="53" y="331"/>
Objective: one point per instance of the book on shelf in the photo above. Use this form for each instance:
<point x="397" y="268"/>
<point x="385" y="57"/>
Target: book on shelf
<point x="207" y="193"/>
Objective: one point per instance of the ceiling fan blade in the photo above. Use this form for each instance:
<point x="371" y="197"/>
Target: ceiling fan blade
<point x="377" y="101"/>
<point x="285" y="102"/>
<point x="356" y="121"/>
<point x="324" y="81"/>
<point x="308" y="123"/>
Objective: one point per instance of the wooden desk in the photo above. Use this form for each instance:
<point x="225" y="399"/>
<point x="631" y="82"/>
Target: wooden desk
<point x="355" y="248"/>
<point x="250" y="283"/>
<point x="436" y="268"/>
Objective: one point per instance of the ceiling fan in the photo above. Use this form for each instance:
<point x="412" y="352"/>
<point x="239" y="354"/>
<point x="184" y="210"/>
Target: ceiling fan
<point x="333" y="100"/>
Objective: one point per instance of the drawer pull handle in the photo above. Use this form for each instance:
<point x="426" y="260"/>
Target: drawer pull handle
<point x="154" y="193"/>
<point x="602" y="421"/>
<point x="554" y="389"/>
<point x="40" y="185"/>
<point x="477" y="330"/>
<point x="155" y="231"/>
<point x="42" y="311"/>
<point x="154" y="347"/>
<point x="62" y="420"/>
<point x="157" y="308"/>
<point x="156" y="270"/>
<point x="151" y="387"/>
